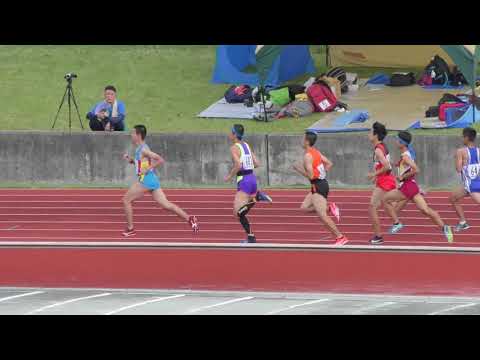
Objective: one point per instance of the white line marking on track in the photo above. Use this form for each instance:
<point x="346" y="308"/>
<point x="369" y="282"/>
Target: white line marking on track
<point x="264" y="209"/>
<point x="219" y="304"/>
<point x="296" y="306"/>
<point x="151" y="301"/>
<point x="373" y="307"/>
<point x="67" y="302"/>
<point x="452" y="308"/>
<point x="21" y="295"/>
<point x="138" y="216"/>
<point x="13" y="227"/>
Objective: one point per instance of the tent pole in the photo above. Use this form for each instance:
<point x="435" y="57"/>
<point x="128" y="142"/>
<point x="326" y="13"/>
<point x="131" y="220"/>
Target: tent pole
<point x="263" y="101"/>
<point x="327" y="55"/>
<point x="473" y="85"/>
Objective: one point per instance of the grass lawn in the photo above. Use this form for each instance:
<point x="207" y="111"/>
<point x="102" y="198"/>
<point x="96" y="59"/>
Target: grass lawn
<point x="163" y="87"/>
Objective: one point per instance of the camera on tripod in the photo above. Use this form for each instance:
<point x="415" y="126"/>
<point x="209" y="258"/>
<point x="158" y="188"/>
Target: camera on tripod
<point x="70" y="76"/>
<point x="70" y="98"/>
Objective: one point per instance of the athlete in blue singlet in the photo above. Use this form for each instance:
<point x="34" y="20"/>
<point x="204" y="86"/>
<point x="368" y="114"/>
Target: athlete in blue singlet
<point x="467" y="163"/>
<point x="145" y="162"/>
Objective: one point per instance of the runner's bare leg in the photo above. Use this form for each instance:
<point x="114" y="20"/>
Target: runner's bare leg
<point x="135" y="192"/>
<point x="161" y="199"/>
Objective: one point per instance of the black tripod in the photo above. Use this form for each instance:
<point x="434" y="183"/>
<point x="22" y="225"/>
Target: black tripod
<point x="70" y="96"/>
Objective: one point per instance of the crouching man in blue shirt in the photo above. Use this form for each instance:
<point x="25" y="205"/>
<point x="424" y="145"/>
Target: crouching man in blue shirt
<point x="108" y="115"/>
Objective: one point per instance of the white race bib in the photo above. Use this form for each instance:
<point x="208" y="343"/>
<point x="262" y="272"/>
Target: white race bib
<point x="473" y="171"/>
<point x="248" y="162"/>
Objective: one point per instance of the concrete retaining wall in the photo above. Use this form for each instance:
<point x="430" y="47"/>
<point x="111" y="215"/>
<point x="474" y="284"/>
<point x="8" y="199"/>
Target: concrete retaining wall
<point x="204" y="159"/>
<point x="352" y="156"/>
<point x="97" y="158"/>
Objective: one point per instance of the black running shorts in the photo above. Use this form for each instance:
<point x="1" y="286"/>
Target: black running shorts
<point x="320" y="186"/>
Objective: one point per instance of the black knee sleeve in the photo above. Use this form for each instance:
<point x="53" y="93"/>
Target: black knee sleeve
<point x="245" y="223"/>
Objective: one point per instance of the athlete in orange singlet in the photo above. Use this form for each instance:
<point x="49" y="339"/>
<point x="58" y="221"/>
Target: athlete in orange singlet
<point x="315" y="167"/>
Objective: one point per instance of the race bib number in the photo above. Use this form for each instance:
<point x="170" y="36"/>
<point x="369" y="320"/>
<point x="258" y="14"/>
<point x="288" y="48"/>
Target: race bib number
<point x="248" y="162"/>
<point x="321" y="171"/>
<point x="473" y="171"/>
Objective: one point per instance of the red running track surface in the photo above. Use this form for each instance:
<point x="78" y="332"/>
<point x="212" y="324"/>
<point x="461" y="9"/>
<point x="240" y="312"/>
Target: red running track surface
<point x="69" y="216"/>
<point x="97" y="215"/>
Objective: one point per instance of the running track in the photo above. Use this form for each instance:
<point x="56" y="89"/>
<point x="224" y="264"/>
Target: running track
<point x="96" y="216"/>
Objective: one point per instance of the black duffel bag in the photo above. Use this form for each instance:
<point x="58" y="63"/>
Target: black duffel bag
<point x="402" y="79"/>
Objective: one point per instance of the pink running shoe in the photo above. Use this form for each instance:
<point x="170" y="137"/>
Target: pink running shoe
<point x="341" y="240"/>
<point x="194" y="224"/>
<point x="129" y="232"/>
<point x="334" y="210"/>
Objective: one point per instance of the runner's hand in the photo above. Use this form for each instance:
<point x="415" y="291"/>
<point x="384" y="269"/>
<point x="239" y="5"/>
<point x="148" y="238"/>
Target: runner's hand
<point x="227" y="178"/>
<point x="371" y="176"/>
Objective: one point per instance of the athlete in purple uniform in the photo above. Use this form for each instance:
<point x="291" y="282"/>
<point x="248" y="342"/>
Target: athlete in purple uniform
<point x="244" y="161"/>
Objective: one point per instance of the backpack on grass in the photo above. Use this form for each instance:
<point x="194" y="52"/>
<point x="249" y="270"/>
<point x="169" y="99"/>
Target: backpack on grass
<point x="322" y="97"/>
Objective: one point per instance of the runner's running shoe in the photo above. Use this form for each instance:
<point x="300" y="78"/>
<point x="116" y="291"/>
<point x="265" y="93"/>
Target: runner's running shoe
<point x="341" y="240"/>
<point x="129" y="232"/>
<point x="376" y="240"/>
<point x="462" y="227"/>
<point x="334" y="210"/>
<point x="194" y="223"/>
<point x="396" y="228"/>
<point x="447" y="231"/>
<point x="250" y="239"/>
<point x="261" y="196"/>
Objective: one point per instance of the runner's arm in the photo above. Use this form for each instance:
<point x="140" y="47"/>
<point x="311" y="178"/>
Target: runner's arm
<point x="236" y="163"/>
<point x="413" y="168"/>
<point x="155" y="159"/>
<point x="459" y="160"/>
<point x="308" y="164"/>
<point x="327" y="163"/>
<point x="128" y="158"/>
<point x="383" y="160"/>
<point x="256" y="164"/>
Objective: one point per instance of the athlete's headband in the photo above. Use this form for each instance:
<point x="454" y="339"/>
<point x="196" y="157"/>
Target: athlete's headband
<point x="401" y="141"/>
<point x="234" y="132"/>
<point x="409" y="146"/>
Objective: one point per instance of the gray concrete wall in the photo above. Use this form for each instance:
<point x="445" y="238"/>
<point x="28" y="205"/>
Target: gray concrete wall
<point x="97" y="158"/>
<point x="204" y="159"/>
<point x="352" y="157"/>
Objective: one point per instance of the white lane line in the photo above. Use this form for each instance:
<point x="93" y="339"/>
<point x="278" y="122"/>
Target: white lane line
<point x="296" y="306"/>
<point x="21" y="295"/>
<point x="264" y="209"/>
<point x="13" y="227"/>
<point x="23" y="214"/>
<point x="219" y="304"/>
<point x="373" y="307"/>
<point x="151" y="301"/>
<point x="67" y="302"/>
<point x="453" y="308"/>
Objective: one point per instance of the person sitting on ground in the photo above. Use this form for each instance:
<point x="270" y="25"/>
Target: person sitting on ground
<point x="108" y="115"/>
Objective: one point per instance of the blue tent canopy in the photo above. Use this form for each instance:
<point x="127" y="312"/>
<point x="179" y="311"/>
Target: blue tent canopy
<point x="232" y="60"/>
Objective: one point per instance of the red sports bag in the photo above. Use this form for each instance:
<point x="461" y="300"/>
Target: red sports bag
<point x="445" y="106"/>
<point x="322" y="98"/>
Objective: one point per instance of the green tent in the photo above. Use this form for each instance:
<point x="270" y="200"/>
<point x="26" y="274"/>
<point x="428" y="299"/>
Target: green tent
<point x="466" y="57"/>
<point x="265" y="56"/>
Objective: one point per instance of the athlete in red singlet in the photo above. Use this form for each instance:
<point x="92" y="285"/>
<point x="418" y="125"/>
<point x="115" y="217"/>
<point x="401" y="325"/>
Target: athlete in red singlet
<point x="382" y="177"/>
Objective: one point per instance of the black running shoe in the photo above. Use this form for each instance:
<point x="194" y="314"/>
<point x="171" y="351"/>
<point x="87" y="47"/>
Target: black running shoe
<point x="376" y="240"/>
<point x="250" y="239"/>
